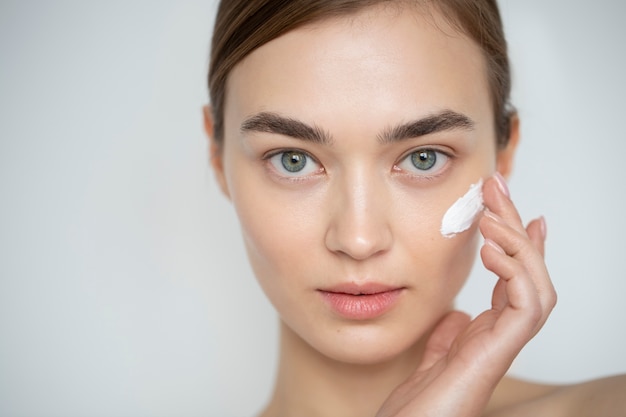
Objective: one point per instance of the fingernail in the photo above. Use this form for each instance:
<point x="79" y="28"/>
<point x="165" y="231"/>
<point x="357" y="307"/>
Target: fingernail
<point x="495" y="246"/>
<point x="502" y="184"/>
<point x="492" y="215"/>
<point x="543" y="227"/>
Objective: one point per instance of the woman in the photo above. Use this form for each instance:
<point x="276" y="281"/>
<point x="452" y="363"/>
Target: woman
<point x="343" y="132"/>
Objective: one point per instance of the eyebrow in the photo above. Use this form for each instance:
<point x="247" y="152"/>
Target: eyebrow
<point x="269" y="122"/>
<point x="439" y="122"/>
<point x="274" y="123"/>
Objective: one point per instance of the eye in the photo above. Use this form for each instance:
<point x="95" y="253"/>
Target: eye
<point x="428" y="162"/>
<point x="294" y="163"/>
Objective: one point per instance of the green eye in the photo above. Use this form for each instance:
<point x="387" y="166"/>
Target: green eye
<point x="424" y="159"/>
<point x="425" y="162"/>
<point x="293" y="161"/>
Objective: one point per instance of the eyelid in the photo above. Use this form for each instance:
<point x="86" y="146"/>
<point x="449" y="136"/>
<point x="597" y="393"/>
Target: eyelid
<point x="439" y="149"/>
<point x="270" y="154"/>
<point x="295" y="176"/>
<point x="425" y="174"/>
<point x="276" y="151"/>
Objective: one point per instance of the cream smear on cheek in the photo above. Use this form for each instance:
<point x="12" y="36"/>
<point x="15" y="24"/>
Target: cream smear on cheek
<point x="461" y="215"/>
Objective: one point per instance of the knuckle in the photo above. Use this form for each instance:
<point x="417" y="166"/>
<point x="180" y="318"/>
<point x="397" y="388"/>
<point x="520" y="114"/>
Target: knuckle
<point x="551" y="298"/>
<point x="536" y="312"/>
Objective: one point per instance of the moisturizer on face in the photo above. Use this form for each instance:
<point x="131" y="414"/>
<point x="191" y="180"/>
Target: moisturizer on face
<point x="461" y="215"/>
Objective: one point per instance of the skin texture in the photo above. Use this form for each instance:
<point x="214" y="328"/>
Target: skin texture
<point x="359" y="220"/>
<point x="360" y="212"/>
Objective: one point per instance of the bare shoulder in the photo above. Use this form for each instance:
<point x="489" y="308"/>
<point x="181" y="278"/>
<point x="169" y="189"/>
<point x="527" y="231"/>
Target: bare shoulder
<point x="604" y="397"/>
<point x="516" y="394"/>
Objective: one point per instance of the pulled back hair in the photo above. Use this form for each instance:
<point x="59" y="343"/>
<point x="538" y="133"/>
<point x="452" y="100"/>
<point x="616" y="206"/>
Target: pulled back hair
<point x="241" y="26"/>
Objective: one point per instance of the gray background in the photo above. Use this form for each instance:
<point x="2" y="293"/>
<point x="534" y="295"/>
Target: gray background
<point x="123" y="285"/>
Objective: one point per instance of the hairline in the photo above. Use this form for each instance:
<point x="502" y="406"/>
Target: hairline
<point x="432" y="12"/>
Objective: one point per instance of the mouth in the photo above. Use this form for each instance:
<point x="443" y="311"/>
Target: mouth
<point x="361" y="302"/>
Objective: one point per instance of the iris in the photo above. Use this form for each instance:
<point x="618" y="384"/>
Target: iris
<point x="293" y="161"/>
<point x="424" y="159"/>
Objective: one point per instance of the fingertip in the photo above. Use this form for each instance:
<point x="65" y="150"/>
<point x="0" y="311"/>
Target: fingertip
<point x="490" y="190"/>
<point x="543" y="227"/>
<point x="504" y="189"/>
<point x="490" y="243"/>
<point x="536" y="231"/>
<point x="490" y="254"/>
<point x="496" y="198"/>
<point x="496" y="189"/>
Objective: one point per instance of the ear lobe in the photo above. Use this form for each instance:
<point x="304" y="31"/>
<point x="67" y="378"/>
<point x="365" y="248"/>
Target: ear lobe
<point x="506" y="155"/>
<point x="207" y="112"/>
<point x="215" y="151"/>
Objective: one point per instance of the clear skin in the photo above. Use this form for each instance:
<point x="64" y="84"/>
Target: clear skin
<point x="359" y="211"/>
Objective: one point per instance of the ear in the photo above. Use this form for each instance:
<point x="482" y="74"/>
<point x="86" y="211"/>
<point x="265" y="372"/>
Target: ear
<point x="215" y="151"/>
<point x="506" y="155"/>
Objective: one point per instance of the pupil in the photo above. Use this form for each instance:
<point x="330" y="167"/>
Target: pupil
<point x="293" y="161"/>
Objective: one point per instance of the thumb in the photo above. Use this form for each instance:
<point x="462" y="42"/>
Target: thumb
<point x="440" y="340"/>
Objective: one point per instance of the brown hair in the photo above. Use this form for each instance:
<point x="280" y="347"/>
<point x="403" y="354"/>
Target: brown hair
<point x="241" y="26"/>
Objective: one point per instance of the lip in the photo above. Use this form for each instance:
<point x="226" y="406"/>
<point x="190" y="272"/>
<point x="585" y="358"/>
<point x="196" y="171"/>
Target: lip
<point x="361" y="302"/>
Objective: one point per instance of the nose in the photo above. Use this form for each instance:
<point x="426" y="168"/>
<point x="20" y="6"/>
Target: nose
<point x="359" y="218"/>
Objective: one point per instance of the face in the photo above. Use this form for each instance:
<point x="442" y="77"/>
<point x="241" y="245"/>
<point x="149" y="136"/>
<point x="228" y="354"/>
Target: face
<point x="345" y="143"/>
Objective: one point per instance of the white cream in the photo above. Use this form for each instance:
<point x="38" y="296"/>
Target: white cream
<point x="461" y="215"/>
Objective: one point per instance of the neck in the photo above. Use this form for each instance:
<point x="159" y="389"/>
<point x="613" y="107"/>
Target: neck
<point x="309" y="383"/>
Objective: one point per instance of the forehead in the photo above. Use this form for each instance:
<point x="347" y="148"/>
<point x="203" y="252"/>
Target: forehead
<point x="372" y="68"/>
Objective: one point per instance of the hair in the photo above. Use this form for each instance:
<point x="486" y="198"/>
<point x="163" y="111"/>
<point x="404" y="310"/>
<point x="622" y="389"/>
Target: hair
<point x="241" y="26"/>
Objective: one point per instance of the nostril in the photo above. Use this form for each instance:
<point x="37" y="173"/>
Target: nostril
<point x="356" y="245"/>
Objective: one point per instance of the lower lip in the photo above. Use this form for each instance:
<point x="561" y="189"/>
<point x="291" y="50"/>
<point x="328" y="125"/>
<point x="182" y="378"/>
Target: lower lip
<point x="361" y="307"/>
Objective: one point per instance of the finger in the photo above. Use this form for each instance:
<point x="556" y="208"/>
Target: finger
<point x="507" y="269"/>
<point x="524" y="250"/>
<point x="507" y="237"/>
<point x="515" y="298"/>
<point x="496" y="199"/>
<point x="524" y="306"/>
<point x="441" y="339"/>
<point x="536" y="231"/>
<point x="499" y="299"/>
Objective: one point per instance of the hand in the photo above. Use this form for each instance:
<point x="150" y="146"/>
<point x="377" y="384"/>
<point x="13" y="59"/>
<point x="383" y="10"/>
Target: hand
<point x="464" y="360"/>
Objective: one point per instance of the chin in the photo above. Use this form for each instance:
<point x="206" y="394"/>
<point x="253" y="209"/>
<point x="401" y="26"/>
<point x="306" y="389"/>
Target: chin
<point x="368" y="343"/>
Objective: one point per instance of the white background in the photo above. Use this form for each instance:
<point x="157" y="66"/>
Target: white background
<point x="124" y="289"/>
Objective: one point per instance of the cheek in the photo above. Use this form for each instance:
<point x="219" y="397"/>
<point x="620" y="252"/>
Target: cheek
<point x="455" y="258"/>
<point x="280" y="232"/>
<point x="460" y="254"/>
<point x="440" y="265"/>
<point x="271" y="219"/>
<point x="455" y="255"/>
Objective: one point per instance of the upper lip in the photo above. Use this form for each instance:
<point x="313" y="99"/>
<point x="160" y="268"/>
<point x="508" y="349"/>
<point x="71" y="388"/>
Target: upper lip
<point x="364" y="288"/>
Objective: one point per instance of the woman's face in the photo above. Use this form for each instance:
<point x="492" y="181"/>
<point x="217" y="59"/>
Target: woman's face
<point x="345" y="143"/>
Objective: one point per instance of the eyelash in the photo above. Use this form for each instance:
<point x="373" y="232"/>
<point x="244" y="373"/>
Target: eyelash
<point x="284" y="176"/>
<point x="447" y="157"/>
<point x="412" y="173"/>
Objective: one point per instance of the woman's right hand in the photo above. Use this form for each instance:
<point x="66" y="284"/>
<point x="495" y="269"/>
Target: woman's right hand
<point x="465" y="359"/>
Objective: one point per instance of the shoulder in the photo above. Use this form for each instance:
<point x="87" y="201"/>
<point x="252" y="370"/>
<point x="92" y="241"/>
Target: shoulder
<point x="599" y="397"/>
<point x="515" y="397"/>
